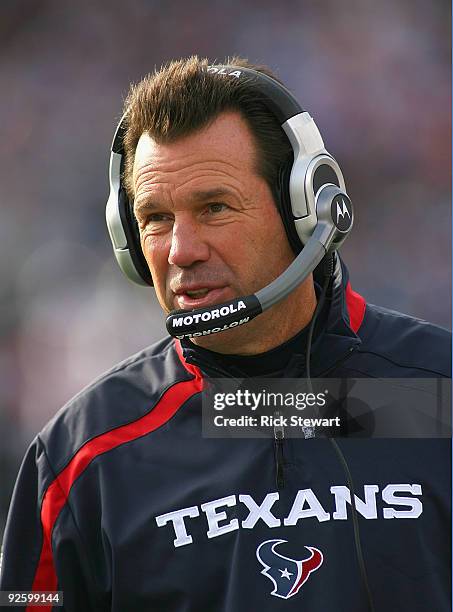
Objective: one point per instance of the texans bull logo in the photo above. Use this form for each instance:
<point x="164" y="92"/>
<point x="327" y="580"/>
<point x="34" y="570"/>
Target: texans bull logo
<point x="288" y="575"/>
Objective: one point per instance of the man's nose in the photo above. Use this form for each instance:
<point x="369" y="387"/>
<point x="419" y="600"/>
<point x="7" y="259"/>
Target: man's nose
<point x="187" y="244"/>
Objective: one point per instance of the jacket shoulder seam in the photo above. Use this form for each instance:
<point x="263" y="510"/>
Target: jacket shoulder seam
<point x="402" y="365"/>
<point x="115" y="370"/>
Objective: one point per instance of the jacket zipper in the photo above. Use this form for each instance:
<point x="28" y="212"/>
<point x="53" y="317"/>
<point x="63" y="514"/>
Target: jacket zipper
<point x="279" y="435"/>
<point x="279" y="431"/>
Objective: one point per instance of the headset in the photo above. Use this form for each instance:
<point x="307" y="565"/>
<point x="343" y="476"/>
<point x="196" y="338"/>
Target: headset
<point x="316" y="211"/>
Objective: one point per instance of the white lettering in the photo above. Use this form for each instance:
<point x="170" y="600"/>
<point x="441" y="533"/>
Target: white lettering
<point x="205" y="317"/>
<point x="306" y="504"/>
<point x="230" y="399"/>
<point x="219" y="401"/>
<point x="214" y="517"/>
<point x="314" y="508"/>
<point x="260" y="512"/>
<point x="343" y="496"/>
<point x="224" y="71"/>
<point x="177" y="518"/>
<point x="256" y="397"/>
<point x="224" y="311"/>
<point x="388" y="495"/>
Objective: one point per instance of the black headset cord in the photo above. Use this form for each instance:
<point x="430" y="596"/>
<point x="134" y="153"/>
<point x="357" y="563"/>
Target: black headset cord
<point x="328" y="265"/>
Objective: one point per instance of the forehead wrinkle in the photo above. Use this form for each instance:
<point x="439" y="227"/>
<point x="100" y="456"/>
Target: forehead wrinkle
<point x="222" y="182"/>
<point x="145" y="174"/>
<point x="153" y="164"/>
<point x="168" y="167"/>
<point x="219" y="184"/>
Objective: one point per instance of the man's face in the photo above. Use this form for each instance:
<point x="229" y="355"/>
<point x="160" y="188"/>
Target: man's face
<point x="209" y="227"/>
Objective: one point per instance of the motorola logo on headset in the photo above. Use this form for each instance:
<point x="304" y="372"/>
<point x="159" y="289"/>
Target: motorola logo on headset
<point x="191" y="319"/>
<point x="224" y="71"/>
<point x="341" y="211"/>
<point x="215" y="313"/>
<point x="316" y="211"/>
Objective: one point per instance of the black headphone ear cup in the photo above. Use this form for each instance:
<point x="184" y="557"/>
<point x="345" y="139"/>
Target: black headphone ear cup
<point x="132" y="233"/>
<point x="324" y="174"/>
<point x="284" y="205"/>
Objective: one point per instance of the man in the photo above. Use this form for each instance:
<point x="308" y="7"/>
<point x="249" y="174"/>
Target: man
<point x="122" y="503"/>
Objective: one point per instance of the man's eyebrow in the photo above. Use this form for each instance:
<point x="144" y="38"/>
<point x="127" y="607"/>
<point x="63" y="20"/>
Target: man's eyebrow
<point x="208" y="194"/>
<point x="145" y="203"/>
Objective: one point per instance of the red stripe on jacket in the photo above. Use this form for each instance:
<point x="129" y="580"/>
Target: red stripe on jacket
<point x="192" y="369"/>
<point x="57" y="493"/>
<point x="356" y="306"/>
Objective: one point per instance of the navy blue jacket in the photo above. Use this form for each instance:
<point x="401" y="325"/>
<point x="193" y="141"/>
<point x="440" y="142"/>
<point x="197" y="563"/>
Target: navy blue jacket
<point x="125" y="506"/>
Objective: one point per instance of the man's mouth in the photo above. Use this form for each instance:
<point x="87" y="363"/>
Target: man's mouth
<point x="202" y="297"/>
<point x="198" y="293"/>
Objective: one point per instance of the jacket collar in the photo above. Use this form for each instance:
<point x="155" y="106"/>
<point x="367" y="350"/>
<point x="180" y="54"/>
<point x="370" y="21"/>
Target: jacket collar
<point x="338" y="339"/>
<point x="346" y="313"/>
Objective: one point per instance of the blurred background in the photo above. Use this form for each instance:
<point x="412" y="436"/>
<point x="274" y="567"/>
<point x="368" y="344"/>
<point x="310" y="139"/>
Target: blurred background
<point x="376" y="76"/>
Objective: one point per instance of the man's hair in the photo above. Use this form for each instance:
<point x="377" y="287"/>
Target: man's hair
<point x="183" y="97"/>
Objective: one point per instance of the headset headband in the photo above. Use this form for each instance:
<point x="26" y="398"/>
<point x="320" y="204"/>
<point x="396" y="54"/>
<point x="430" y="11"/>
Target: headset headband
<point x="279" y="100"/>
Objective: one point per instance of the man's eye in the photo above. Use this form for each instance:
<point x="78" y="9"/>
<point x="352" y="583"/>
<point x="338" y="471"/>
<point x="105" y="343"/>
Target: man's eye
<point x="156" y="217"/>
<point x="152" y="220"/>
<point x="217" y="207"/>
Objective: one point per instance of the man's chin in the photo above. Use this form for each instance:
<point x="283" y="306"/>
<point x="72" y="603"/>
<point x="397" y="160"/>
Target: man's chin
<point x="236" y="341"/>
